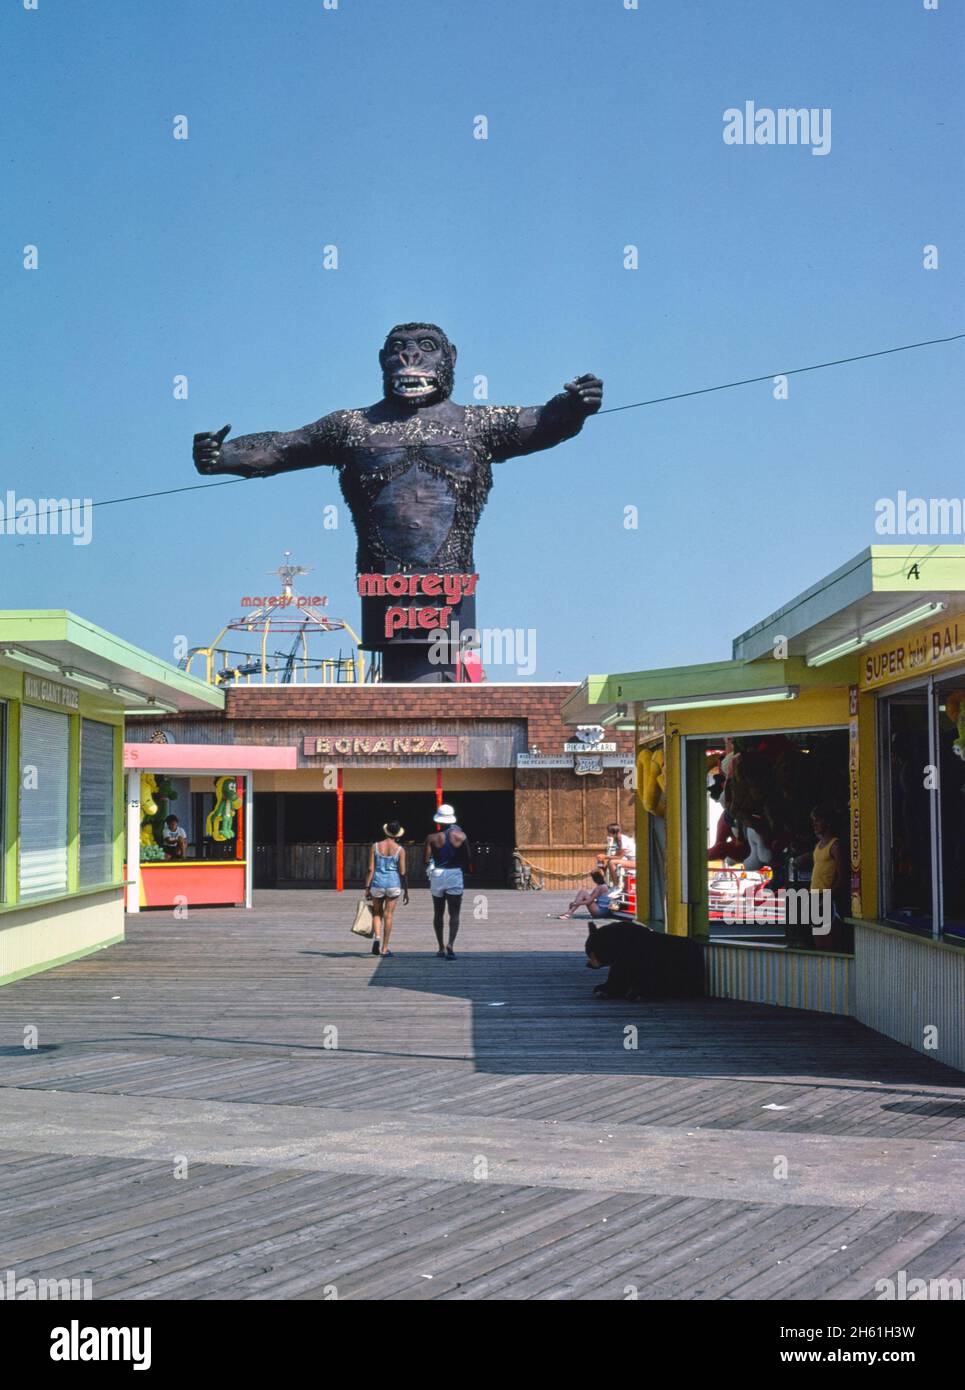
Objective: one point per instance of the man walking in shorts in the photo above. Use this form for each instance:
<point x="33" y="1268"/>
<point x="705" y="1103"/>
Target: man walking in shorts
<point x="446" y="858"/>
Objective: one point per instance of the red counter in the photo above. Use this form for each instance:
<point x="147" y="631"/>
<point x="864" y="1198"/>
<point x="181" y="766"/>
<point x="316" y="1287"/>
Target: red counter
<point x="194" y="883"/>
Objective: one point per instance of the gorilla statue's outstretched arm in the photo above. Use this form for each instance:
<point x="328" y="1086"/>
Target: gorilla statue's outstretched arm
<point x="542" y="426"/>
<point x="511" y="431"/>
<point x="276" y="451"/>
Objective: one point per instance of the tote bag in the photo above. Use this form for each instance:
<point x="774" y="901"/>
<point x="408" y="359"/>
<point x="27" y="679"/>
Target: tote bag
<point x="363" y="924"/>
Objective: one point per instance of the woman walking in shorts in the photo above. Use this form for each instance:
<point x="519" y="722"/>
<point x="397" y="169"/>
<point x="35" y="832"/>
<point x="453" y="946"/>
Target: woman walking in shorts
<point x="386" y="883"/>
<point x="446" y="856"/>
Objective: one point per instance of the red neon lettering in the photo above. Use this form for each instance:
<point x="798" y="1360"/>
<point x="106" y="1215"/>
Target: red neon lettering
<point x="394" y="620"/>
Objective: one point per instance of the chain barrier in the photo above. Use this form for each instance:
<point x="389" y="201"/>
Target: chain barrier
<point x="525" y="871"/>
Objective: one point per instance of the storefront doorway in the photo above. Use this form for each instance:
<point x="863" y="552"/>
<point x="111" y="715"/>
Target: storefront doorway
<point x="907" y="871"/>
<point x="296" y="833"/>
<point x="922" y="763"/>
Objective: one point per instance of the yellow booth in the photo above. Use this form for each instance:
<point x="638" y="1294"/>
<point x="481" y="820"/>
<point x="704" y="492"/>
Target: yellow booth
<point x="828" y="754"/>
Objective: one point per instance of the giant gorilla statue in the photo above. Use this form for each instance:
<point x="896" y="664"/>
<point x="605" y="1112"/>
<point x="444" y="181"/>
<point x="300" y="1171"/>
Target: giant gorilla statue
<point x="415" y="468"/>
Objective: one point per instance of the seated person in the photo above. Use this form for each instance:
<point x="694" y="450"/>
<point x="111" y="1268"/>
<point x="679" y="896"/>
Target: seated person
<point x="596" y="900"/>
<point x="621" y="853"/>
<point x="174" y="839"/>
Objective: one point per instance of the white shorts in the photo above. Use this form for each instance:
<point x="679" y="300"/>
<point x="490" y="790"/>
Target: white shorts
<point x="443" y="881"/>
<point x="386" y="892"/>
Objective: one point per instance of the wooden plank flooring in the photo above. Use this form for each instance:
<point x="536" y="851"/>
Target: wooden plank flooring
<point x="225" y="1010"/>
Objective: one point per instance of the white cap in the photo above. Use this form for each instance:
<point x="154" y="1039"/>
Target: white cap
<point x="445" y="815"/>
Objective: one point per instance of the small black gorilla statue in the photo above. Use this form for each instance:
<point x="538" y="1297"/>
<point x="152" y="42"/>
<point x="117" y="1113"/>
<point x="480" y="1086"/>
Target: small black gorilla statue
<point x="645" y="964"/>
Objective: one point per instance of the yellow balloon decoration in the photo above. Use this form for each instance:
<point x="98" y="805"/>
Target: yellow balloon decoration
<point x="148" y="788"/>
<point x="149" y="809"/>
<point x="653" y="781"/>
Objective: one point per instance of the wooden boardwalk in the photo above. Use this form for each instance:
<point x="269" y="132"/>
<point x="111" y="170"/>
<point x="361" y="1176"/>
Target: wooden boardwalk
<point x="250" y="1105"/>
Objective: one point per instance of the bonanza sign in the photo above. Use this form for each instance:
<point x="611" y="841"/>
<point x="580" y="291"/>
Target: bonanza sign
<point x="405" y="746"/>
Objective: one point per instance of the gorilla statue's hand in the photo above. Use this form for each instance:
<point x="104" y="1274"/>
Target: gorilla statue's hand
<point x="586" y="393"/>
<point x="207" y="450"/>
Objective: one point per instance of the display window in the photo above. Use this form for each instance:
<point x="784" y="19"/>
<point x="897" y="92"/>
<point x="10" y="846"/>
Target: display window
<point x="922" y="805"/>
<point x="906" y="810"/>
<point x="773" y="816"/>
<point x="178" y="823"/>
<point x="950" y="733"/>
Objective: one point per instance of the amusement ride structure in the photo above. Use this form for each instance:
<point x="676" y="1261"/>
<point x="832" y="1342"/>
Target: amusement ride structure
<point x="284" y="623"/>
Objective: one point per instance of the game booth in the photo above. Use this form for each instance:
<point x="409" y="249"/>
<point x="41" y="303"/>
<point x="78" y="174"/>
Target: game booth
<point x="190" y="822"/>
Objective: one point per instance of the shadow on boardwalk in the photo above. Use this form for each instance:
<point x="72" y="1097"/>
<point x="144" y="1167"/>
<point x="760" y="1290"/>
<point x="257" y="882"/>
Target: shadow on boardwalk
<point x="517" y="1000"/>
<point x="345" y="1101"/>
<point x="534" y="1012"/>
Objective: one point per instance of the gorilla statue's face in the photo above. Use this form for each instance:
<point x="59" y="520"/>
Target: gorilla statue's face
<point x="417" y="364"/>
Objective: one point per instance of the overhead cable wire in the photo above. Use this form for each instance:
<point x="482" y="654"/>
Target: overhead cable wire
<point x="610" y="410"/>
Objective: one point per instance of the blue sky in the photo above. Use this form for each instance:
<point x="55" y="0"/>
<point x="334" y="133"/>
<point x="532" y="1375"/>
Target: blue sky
<point x="354" y="127"/>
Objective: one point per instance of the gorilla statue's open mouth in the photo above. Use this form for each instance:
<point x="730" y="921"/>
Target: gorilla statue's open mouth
<point x="412" y="385"/>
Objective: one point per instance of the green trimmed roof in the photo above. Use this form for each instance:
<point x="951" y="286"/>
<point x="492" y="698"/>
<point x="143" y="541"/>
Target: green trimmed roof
<point x="599" y="697"/>
<point x="72" y="642"/>
<point x="881" y="583"/>
<point x="872" y="587"/>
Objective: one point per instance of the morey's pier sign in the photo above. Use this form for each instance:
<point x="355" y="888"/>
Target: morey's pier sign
<point x="383" y="616"/>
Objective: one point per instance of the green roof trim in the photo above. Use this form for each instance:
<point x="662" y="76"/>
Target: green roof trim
<point x="879" y="579"/>
<point x="68" y="638"/>
<point x="853" y="599"/>
<point x="598" y="695"/>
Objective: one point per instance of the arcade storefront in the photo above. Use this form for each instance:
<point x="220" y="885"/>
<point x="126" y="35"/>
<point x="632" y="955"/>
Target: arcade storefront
<point x="850" y="700"/>
<point x="323" y="767"/>
<point x="732" y="759"/>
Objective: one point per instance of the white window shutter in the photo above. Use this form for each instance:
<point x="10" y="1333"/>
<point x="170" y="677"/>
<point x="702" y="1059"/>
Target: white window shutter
<point x="44" y="753"/>
<point x="96" y="803"/>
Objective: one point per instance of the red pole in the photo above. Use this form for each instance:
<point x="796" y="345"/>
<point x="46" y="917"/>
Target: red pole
<point x="340" y="842"/>
<point x="438" y="787"/>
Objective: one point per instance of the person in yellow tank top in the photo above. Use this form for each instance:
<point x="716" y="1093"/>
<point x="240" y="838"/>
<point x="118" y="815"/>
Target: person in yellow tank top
<point x="829" y="869"/>
<point x="830" y="874"/>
